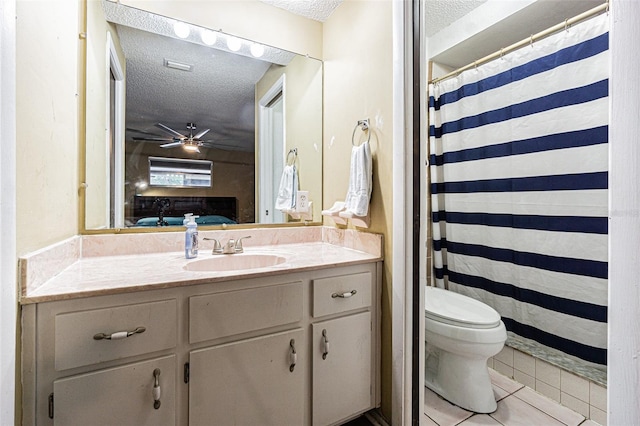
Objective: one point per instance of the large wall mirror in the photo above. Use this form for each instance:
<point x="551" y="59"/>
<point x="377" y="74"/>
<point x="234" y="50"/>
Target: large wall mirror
<point x="164" y="97"/>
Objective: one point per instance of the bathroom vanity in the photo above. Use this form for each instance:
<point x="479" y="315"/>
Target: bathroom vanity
<point x="281" y="345"/>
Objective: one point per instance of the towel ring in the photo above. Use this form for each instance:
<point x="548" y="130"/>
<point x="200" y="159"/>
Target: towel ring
<point x="293" y="151"/>
<point x="364" y="124"/>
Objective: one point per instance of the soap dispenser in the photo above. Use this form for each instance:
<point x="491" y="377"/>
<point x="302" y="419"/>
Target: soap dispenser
<point x="191" y="237"/>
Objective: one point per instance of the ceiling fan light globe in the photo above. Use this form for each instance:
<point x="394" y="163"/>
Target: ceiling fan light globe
<point x="191" y="148"/>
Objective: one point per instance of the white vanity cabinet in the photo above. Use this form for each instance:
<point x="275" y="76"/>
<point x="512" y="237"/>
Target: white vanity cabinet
<point x="342" y="350"/>
<point x="119" y="396"/>
<point x="247" y="351"/>
<point x="252" y="382"/>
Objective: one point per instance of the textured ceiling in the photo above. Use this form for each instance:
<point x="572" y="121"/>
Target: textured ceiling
<point x="318" y="10"/>
<point x="441" y="13"/>
<point x="217" y="94"/>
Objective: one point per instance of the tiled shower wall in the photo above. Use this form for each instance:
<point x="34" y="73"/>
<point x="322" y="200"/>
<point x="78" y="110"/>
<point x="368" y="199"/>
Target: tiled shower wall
<point x="568" y="389"/>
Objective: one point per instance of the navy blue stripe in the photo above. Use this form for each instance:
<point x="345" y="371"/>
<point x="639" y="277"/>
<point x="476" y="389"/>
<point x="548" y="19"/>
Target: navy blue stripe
<point x="440" y="272"/>
<point x="567" y="55"/>
<point x="577" y="349"/>
<point x="585" y="137"/>
<point x="575" y="308"/>
<point x="560" y="99"/>
<point x="567" y="265"/>
<point x="584" y="224"/>
<point x="569" y="182"/>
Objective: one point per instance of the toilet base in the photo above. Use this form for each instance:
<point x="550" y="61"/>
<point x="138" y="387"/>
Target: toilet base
<point x="460" y="380"/>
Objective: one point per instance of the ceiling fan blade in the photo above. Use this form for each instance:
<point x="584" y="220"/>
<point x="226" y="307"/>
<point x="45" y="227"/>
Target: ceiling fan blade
<point x="170" y="145"/>
<point x="170" y="131"/>
<point x="158" y="139"/>
<point x="142" y="132"/>
<point x="201" y="134"/>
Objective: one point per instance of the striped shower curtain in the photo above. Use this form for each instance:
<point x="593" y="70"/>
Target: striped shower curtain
<point x="518" y="169"/>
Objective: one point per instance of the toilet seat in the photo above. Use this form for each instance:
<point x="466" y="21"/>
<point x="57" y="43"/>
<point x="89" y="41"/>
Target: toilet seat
<point x="459" y="310"/>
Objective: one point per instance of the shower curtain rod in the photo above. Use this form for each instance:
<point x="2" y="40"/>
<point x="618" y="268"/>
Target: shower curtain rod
<point x="534" y="37"/>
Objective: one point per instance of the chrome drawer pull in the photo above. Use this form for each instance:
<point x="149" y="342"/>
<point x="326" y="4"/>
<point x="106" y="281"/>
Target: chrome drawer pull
<point x="156" y="388"/>
<point x="119" y="334"/>
<point x="293" y="357"/>
<point x="344" y="295"/>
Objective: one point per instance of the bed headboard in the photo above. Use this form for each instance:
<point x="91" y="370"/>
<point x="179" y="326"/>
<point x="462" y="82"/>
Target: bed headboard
<point x="144" y="206"/>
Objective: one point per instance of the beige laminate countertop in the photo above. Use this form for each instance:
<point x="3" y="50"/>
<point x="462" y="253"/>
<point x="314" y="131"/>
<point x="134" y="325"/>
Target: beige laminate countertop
<point x="96" y="276"/>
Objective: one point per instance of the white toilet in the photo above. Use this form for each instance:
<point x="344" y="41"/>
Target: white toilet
<point x="461" y="334"/>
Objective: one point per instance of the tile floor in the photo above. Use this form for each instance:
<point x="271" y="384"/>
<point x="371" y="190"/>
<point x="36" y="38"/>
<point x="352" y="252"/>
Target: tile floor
<point x="517" y="405"/>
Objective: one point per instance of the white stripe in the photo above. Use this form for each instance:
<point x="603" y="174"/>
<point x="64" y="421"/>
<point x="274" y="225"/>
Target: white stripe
<point x="592" y="333"/>
<point x="565" y="77"/>
<point x="559" y="120"/>
<point x="590" y="203"/>
<point x="573" y="245"/>
<point x="585" y="159"/>
<point x="568" y="286"/>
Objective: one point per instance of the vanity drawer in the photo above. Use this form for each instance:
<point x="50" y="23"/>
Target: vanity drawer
<point x="341" y="294"/>
<point x="76" y="346"/>
<point x="212" y="316"/>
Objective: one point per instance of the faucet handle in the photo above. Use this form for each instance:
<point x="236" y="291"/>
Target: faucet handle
<point x="217" y="248"/>
<point x="239" y="248"/>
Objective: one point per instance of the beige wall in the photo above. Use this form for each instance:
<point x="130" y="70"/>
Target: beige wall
<point x="47" y="122"/>
<point x="303" y="103"/>
<point x="358" y="84"/>
<point x="97" y="80"/>
<point x="250" y="19"/>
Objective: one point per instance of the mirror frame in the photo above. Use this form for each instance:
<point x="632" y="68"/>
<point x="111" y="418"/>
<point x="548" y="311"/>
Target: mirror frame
<point x="82" y="139"/>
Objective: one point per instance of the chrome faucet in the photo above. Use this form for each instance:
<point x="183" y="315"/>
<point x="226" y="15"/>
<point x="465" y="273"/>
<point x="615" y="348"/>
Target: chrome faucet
<point x="238" y="244"/>
<point x="217" y="248"/>
<point x="231" y="246"/>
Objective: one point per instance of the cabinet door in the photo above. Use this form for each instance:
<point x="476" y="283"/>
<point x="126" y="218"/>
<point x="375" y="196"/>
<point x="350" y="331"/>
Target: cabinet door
<point x="342" y="370"/>
<point x="250" y="382"/>
<point x="118" y="396"/>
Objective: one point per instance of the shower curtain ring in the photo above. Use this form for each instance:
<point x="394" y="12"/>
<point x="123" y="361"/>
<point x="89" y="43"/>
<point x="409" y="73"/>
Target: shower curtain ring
<point x="531" y="40"/>
<point x="566" y="24"/>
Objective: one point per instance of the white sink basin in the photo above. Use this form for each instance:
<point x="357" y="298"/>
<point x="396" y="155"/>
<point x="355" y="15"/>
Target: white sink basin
<point x="234" y="262"/>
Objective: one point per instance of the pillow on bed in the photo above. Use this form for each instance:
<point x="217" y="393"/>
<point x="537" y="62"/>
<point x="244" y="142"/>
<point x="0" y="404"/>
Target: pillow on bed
<point x="177" y="221"/>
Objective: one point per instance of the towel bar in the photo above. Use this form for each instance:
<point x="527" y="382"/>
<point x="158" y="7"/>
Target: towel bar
<point x="364" y="125"/>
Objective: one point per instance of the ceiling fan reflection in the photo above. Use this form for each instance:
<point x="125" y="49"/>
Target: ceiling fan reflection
<point x="189" y="142"/>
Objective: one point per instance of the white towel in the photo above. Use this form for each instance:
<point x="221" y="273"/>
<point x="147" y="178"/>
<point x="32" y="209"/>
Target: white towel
<point x="287" y="192"/>
<point x="360" y="180"/>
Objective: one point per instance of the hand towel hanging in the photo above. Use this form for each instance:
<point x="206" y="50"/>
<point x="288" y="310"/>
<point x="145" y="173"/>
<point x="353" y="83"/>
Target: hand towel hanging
<point x="360" y="180"/>
<point x="287" y="191"/>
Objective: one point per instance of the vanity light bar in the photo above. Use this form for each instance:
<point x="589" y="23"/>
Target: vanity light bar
<point x="177" y="65"/>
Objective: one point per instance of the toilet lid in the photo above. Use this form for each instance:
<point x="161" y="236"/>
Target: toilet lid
<point x="458" y="309"/>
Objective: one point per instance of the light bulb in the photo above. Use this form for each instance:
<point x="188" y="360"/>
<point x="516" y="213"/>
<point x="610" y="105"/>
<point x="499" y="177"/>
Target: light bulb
<point x="208" y="37"/>
<point x="233" y="43"/>
<point x="181" y="29"/>
<point x="257" y="50"/>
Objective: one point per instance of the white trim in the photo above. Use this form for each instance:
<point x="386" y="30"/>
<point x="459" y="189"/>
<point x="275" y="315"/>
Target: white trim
<point x="623" y="392"/>
<point x="265" y="150"/>
<point x="8" y="256"/>
<point x="114" y="65"/>
<point x="401" y="307"/>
